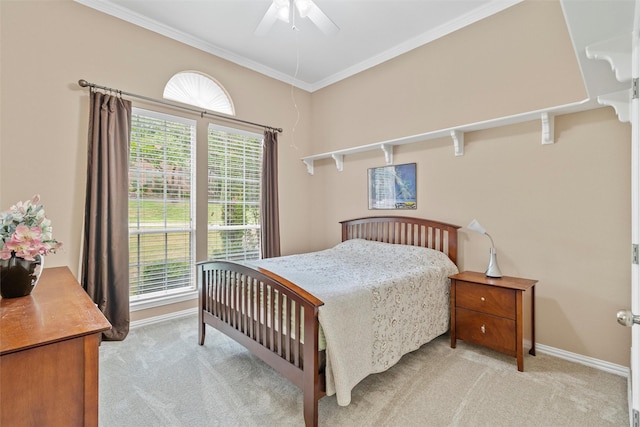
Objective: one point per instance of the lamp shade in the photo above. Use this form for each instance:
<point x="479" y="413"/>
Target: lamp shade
<point x="475" y="226"/>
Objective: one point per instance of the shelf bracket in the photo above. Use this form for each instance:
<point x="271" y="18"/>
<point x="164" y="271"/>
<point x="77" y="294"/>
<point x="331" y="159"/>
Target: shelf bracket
<point x="617" y="52"/>
<point x="621" y="103"/>
<point x="339" y="159"/>
<point x="548" y="128"/>
<point x="388" y="153"/>
<point x="458" y="142"/>
<point x="309" y="163"/>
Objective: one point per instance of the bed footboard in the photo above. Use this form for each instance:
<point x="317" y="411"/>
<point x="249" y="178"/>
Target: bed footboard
<point x="272" y="317"/>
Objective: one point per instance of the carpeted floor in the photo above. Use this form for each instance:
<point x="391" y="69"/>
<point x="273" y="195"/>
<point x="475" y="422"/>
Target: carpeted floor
<point x="160" y="376"/>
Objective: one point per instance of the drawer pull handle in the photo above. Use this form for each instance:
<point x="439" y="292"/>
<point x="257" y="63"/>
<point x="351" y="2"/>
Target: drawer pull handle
<point x="482" y="299"/>
<point x="483" y="329"/>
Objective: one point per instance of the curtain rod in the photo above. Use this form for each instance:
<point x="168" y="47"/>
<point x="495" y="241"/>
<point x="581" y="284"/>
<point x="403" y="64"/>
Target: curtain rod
<point x="84" y="83"/>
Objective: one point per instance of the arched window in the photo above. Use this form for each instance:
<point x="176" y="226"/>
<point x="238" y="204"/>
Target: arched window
<point x="197" y="89"/>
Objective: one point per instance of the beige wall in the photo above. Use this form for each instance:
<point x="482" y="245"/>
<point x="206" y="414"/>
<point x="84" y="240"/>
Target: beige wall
<point x="558" y="213"/>
<point x="516" y="61"/>
<point x="545" y="206"/>
<point x="47" y="46"/>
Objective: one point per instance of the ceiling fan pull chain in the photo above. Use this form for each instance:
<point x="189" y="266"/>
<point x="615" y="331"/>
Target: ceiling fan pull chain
<point x="292" y="15"/>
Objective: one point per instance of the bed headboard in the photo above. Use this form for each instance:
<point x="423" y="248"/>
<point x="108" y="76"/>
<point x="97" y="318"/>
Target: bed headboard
<point x="405" y="231"/>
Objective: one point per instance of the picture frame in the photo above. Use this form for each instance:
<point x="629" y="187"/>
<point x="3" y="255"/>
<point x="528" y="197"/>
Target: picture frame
<point x="392" y="187"/>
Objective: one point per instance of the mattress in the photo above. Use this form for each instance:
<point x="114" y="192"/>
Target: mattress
<point x="381" y="301"/>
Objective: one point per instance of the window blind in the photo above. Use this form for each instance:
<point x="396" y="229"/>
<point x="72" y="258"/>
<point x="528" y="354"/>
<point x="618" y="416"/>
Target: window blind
<point x="234" y="170"/>
<point x="161" y="185"/>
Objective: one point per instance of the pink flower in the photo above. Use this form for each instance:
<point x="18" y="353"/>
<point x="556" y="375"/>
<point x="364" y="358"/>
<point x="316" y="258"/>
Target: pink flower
<point x="25" y="232"/>
<point x="25" y="242"/>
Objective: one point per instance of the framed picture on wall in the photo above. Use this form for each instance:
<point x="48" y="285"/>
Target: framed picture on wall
<point x="393" y="187"/>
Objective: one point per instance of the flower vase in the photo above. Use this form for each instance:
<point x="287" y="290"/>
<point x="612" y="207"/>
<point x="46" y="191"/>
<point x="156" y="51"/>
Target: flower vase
<point x="19" y="276"/>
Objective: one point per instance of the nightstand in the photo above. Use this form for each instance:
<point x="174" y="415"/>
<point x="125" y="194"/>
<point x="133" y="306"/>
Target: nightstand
<point x="490" y="312"/>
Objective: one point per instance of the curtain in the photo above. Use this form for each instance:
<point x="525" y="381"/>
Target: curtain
<point x="269" y="214"/>
<point x="105" y="257"/>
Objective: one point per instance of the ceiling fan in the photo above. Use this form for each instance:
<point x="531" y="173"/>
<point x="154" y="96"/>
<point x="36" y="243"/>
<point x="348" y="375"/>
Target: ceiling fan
<point x="285" y="10"/>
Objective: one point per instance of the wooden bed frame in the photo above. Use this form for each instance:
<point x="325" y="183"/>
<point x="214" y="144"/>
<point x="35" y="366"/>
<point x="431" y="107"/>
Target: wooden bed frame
<point x="241" y="302"/>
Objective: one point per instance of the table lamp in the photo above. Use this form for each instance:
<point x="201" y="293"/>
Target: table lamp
<point x="493" y="270"/>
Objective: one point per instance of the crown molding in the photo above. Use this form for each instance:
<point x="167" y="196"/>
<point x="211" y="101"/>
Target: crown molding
<point x="182" y="37"/>
<point x="424" y="38"/>
<point x="127" y="15"/>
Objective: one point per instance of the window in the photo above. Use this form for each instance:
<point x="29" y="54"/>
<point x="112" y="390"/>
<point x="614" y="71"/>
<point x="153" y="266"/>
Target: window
<point x="161" y="206"/>
<point x="234" y="169"/>
<point x="162" y="198"/>
<point x="196" y="89"/>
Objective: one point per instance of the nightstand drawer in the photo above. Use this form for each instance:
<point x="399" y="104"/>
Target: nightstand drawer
<point x="487" y="299"/>
<point x="490" y="331"/>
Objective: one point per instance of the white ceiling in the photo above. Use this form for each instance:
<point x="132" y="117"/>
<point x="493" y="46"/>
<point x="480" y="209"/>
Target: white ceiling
<point x="371" y="32"/>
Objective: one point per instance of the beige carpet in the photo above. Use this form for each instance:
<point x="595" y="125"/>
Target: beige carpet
<point x="160" y="376"/>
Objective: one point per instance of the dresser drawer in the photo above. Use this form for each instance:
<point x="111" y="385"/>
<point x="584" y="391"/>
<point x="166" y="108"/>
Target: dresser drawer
<point x="490" y="331"/>
<point x="487" y="299"/>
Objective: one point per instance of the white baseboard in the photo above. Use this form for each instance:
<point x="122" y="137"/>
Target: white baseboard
<point x="163" y="317"/>
<point x="602" y="365"/>
<point x="612" y="368"/>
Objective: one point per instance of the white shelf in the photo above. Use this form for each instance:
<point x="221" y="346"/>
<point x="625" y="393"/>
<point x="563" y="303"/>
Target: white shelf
<point x="546" y="117"/>
<point x="614" y="44"/>
<point x="617" y="52"/>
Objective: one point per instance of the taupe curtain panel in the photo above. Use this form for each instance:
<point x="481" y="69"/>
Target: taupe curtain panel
<point x="269" y="213"/>
<point x="105" y="258"/>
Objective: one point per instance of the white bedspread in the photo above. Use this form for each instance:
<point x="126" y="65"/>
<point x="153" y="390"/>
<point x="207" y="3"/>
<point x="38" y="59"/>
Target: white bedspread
<point x="381" y="301"/>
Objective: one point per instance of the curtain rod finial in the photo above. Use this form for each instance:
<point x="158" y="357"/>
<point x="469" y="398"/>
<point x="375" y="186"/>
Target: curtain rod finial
<point x="83" y="83"/>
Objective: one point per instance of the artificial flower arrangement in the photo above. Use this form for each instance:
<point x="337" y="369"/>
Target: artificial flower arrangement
<point x="25" y="231"/>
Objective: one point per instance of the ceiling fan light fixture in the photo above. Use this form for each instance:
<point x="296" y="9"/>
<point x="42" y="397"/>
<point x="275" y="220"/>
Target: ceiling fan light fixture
<point x="282" y="9"/>
<point x="304" y="7"/>
<point x="285" y="10"/>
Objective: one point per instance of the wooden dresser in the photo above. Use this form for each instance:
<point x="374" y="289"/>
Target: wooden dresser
<point x="49" y="354"/>
<point x="491" y="312"/>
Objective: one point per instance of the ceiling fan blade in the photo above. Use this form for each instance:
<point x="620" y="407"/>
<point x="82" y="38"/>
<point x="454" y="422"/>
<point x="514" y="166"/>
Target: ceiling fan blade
<point x="267" y="21"/>
<point x="321" y="20"/>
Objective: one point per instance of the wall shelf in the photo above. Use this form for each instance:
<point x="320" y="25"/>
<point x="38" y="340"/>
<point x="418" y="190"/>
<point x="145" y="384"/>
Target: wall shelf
<point x="617" y="52"/>
<point x="617" y="42"/>
<point x="546" y="117"/>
